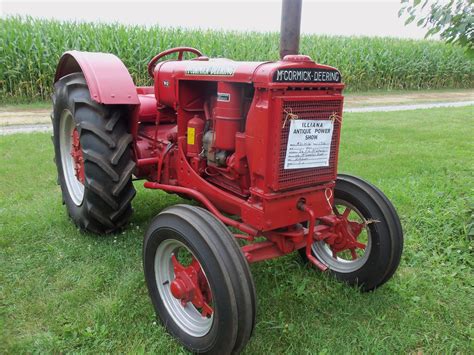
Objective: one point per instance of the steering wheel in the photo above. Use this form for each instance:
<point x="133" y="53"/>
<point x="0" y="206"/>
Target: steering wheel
<point x="180" y="50"/>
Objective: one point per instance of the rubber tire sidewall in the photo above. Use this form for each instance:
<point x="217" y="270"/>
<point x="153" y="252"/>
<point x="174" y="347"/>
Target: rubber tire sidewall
<point x="386" y="233"/>
<point x="221" y="336"/>
<point x="64" y="102"/>
<point x="371" y="273"/>
<point x="102" y="209"/>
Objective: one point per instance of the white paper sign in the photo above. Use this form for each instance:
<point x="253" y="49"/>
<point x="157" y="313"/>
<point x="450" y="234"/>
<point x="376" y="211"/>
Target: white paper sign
<point x="309" y="144"/>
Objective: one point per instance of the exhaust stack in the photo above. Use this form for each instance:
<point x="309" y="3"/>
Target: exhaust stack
<point x="290" y="27"/>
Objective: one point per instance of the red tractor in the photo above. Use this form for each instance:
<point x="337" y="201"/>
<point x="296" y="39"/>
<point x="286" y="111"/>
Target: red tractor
<point x="255" y="143"/>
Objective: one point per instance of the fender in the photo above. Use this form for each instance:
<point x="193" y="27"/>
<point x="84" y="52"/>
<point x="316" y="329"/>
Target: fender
<point x="107" y="77"/>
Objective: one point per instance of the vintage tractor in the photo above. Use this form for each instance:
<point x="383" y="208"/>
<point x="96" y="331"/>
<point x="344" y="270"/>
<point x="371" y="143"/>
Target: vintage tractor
<point x="255" y="143"/>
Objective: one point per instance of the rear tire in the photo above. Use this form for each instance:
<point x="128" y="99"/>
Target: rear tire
<point x="199" y="233"/>
<point x="99" y="201"/>
<point x="384" y="234"/>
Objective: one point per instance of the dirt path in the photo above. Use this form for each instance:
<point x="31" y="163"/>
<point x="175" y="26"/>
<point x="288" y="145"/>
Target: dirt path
<point x="24" y="117"/>
<point x="14" y="120"/>
<point x="408" y="107"/>
<point x="410" y="98"/>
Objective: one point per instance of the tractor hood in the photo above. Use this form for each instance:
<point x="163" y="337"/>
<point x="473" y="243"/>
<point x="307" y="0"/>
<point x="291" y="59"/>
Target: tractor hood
<point x="292" y="70"/>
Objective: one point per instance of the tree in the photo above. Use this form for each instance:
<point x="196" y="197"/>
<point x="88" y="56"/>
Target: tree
<point x="453" y="19"/>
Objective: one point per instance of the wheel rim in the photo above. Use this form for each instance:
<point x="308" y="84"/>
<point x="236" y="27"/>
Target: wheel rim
<point x="346" y="261"/>
<point x="185" y="314"/>
<point x="70" y="157"/>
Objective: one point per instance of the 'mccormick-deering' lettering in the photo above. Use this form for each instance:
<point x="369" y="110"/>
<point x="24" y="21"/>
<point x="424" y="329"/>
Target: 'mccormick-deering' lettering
<point x="310" y="75"/>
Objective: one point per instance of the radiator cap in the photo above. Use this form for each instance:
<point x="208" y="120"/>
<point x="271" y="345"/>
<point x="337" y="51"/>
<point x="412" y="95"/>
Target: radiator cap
<point x="297" y="58"/>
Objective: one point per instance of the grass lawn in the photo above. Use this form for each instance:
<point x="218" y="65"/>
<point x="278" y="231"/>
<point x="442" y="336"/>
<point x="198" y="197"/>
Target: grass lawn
<point x="63" y="291"/>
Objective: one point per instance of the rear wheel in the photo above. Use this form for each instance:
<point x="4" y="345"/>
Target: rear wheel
<point x="199" y="281"/>
<point x="93" y="157"/>
<point x="378" y="238"/>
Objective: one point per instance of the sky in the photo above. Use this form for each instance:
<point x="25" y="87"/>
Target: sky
<point x="336" y="17"/>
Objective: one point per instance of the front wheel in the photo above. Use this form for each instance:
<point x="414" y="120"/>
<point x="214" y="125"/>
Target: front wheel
<point x="373" y="222"/>
<point x="199" y="281"/>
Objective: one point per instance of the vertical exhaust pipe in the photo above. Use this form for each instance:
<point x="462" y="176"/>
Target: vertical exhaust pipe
<point x="290" y="27"/>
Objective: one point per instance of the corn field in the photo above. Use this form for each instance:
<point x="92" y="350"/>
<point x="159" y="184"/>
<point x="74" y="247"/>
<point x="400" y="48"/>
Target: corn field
<point x="30" y="50"/>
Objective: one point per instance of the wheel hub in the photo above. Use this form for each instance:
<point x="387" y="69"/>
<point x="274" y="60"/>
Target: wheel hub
<point x="72" y="160"/>
<point x="347" y="232"/>
<point x="76" y="153"/>
<point x="344" y="233"/>
<point x="180" y="291"/>
<point x="190" y="285"/>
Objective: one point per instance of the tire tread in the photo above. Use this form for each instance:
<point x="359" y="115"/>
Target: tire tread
<point x="223" y="245"/>
<point x="106" y="151"/>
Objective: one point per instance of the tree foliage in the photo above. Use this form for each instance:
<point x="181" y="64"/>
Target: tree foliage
<point x="453" y="19"/>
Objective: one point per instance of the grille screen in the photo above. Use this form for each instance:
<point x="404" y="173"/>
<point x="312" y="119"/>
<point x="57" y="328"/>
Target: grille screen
<point x="309" y="110"/>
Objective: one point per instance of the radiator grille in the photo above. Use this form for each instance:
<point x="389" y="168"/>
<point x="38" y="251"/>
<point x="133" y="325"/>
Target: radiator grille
<point x="309" y="110"/>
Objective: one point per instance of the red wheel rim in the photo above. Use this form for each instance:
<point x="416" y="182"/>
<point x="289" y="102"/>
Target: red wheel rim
<point x="76" y="153"/>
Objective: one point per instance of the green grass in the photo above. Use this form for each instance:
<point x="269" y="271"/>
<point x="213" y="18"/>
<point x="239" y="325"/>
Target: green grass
<point x="30" y="50"/>
<point x="63" y="291"/>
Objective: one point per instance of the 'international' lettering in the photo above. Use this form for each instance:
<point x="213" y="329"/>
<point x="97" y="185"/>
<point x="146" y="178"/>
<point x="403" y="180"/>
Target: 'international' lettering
<point x="217" y="67"/>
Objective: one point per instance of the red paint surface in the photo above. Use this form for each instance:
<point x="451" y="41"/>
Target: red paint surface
<point x="250" y="129"/>
<point x="76" y="153"/>
<point x="107" y="77"/>
<point x="190" y="285"/>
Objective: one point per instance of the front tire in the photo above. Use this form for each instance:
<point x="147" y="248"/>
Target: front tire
<point x="365" y="205"/>
<point x="184" y="241"/>
<point x="93" y="157"/>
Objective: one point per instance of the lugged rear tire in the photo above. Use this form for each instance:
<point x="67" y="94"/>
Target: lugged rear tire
<point x="103" y="203"/>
